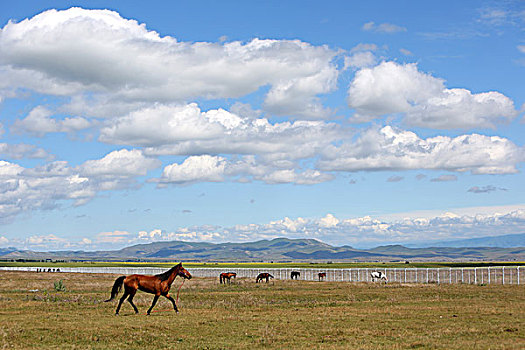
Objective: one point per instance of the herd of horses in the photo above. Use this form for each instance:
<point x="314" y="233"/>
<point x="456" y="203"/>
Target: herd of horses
<point x="160" y="284"/>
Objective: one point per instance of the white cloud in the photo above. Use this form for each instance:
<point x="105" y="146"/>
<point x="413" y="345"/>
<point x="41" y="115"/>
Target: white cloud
<point x="391" y="88"/>
<point x="110" y="58"/>
<point x="361" y="231"/>
<point x="50" y="185"/>
<point x="307" y="177"/>
<point x="356" y="231"/>
<point x="162" y="124"/>
<point x="186" y="130"/>
<point x="360" y="60"/>
<point x="3" y="241"/>
<point x="195" y="169"/>
<point x="120" y="163"/>
<point x="217" y="169"/>
<point x="21" y="150"/>
<point x="39" y="123"/>
<point x="383" y="28"/>
<point x="394" y="149"/>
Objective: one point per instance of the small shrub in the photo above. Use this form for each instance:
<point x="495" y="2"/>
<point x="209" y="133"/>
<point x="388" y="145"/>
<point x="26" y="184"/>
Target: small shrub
<point x="59" y="286"/>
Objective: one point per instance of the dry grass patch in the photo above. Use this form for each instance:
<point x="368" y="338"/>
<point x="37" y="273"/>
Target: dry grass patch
<point x="280" y="314"/>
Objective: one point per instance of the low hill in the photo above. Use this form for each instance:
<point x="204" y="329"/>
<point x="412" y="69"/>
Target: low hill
<point x="279" y="249"/>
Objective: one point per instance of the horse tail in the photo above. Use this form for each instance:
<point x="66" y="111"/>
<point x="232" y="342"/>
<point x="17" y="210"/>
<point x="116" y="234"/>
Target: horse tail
<point x="116" y="288"/>
<point x="270" y="276"/>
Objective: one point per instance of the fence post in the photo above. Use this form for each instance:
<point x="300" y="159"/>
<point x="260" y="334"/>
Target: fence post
<point x="518" y="275"/>
<point x="427" y="274"/>
<point x="482" y="276"/>
<point x="503" y="275"/>
<point x="475" y="275"/>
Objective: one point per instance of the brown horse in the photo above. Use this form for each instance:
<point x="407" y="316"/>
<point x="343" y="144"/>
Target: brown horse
<point x="322" y="276"/>
<point x="263" y="275"/>
<point x="227" y="276"/>
<point x="159" y="285"/>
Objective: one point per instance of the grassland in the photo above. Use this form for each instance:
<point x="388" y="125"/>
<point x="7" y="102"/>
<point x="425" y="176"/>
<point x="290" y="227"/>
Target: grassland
<point x="280" y="314"/>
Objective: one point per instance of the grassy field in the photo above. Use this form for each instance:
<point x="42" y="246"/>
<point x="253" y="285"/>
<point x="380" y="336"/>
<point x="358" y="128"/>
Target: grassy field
<point x="320" y="265"/>
<point x="280" y="314"/>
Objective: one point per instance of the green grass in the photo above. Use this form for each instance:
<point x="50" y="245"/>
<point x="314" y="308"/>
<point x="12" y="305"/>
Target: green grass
<point x="280" y="314"/>
<point x="259" y="265"/>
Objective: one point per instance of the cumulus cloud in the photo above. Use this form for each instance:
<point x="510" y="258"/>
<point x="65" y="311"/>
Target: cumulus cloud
<point x="361" y="55"/>
<point x="22" y="150"/>
<point x="39" y="122"/>
<point x="49" y="185"/>
<point x="79" y="52"/>
<point x="356" y="231"/>
<point x="390" y="88"/>
<point x="195" y="169"/>
<point x="203" y="233"/>
<point x="360" y="231"/>
<point x="389" y="148"/>
<point x="186" y="130"/>
<point x="123" y="162"/>
<point x="216" y="169"/>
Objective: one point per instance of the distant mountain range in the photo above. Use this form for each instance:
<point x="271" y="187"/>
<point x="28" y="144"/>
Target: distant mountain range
<point x="283" y="249"/>
<point x="504" y="241"/>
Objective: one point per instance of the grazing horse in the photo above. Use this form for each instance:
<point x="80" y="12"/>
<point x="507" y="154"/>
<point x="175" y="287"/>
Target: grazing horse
<point x="322" y="276"/>
<point x="263" y="275"/>
<point x="227" y="276"/>
<point x="378" y="275"/>
<point x="159" y="285"/>
<point x="295" y="274"/>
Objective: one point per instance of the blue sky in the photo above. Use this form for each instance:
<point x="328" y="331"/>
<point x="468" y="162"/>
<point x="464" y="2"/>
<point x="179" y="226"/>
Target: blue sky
<point x="352" y="123"/>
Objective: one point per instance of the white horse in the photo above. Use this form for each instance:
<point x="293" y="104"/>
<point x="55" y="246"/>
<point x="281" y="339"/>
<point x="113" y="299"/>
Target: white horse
<point x="378" y="275"/>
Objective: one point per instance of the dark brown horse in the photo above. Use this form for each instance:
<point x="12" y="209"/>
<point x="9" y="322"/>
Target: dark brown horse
<point x="227" y="276"/>
<point x="263" y="275"/>
<point x="295" y="274"/>
<point x="159" y="285"/>
<point x="322" y="276"/>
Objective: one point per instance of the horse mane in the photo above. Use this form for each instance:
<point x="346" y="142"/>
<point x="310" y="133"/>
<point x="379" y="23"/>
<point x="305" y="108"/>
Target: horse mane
<point x="165" y="275"/>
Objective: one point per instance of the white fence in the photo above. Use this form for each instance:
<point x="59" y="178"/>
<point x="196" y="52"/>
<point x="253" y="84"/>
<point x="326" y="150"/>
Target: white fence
<point x="474" y="275"/>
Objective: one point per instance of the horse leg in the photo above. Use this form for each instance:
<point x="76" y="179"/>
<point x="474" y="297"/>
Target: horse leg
<point x="153" y="304"/>
<point x="121" y="301"/>
<point x="130" y="299"/>
<point x="170" y="298"/>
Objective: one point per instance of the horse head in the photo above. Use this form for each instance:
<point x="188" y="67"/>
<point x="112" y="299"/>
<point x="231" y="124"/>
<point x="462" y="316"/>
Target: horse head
<point x="182" y="272"/>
